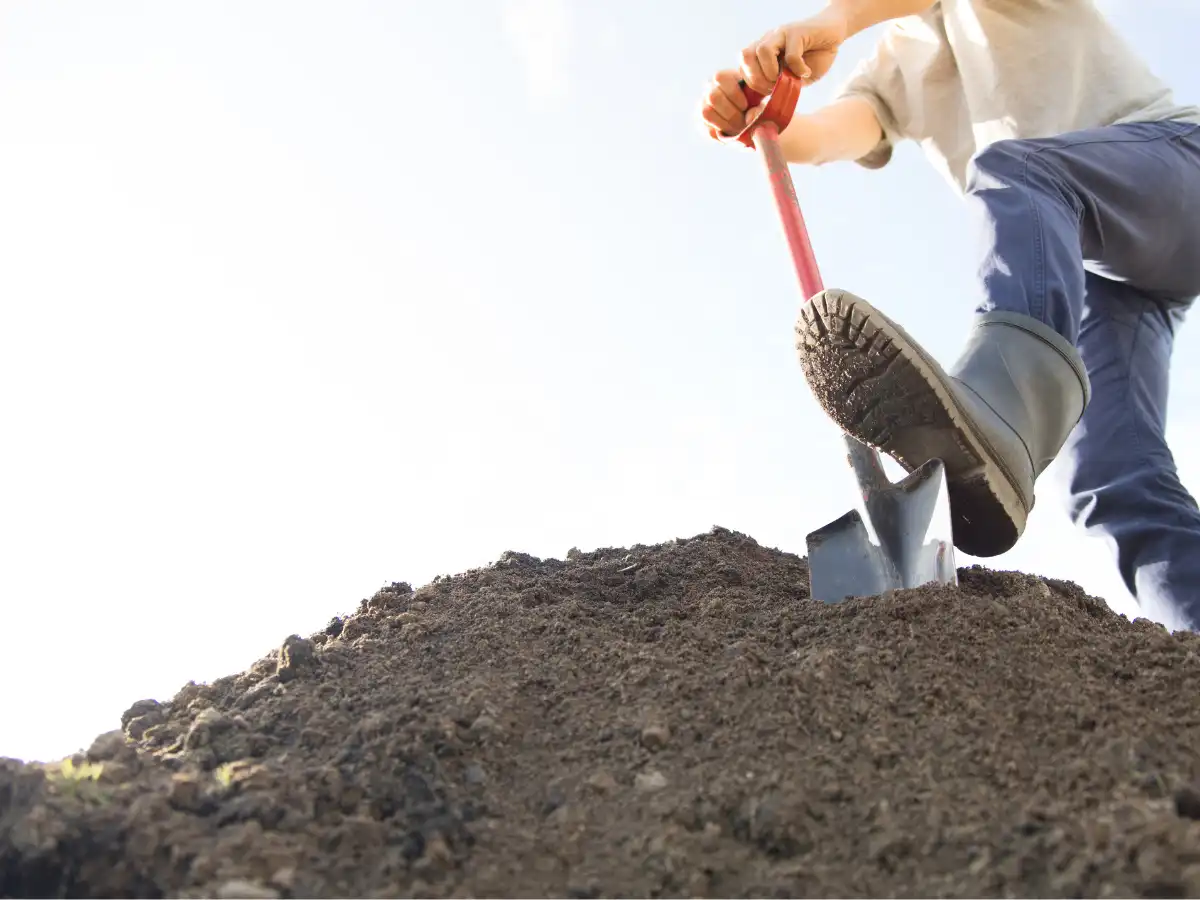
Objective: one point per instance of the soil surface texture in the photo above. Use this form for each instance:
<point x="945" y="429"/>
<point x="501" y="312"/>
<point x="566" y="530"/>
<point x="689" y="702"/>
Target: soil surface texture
<point x="675" y="720"/>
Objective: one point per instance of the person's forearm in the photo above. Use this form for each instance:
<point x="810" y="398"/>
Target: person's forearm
<point x="845" y="130"/>
<point x="863" y="14"/>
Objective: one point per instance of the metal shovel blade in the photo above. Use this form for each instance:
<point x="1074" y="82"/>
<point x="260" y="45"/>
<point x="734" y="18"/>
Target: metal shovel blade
<point x="909" y="542"/>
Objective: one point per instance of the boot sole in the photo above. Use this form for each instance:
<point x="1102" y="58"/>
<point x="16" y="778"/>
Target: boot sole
<point x="879" y="385"/>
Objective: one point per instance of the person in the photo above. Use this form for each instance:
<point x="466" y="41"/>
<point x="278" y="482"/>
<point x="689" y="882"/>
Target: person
<point x="1084" y="172"/>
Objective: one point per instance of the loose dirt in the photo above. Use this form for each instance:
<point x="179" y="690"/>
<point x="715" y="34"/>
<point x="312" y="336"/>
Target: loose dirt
<point x="676" y="720"/>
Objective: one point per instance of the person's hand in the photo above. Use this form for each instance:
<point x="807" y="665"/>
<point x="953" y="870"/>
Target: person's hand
<point x="807" y="48"/>
<point x="724" y="109"/>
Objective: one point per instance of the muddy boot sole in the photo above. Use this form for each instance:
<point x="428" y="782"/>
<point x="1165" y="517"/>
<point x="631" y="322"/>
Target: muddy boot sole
<point x="880" y="386"/>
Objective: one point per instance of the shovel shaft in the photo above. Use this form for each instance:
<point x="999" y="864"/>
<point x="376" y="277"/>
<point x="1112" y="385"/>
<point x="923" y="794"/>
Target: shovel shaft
<point x="763" y="134"/>
<point x="766" y="141"/>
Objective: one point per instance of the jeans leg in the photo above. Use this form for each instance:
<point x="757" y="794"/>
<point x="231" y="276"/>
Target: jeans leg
<point x="1121" y="481"/>
<point x="1118" y="201"/>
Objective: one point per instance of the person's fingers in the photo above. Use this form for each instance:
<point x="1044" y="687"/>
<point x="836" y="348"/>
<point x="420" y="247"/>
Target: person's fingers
<point x="713" y="118"/>
<point x="728" y="83"/>
<point x="723" y="109"/>
<point x="768" y="57"/>
<point x="751" y="69"/>
<point x="759" y="78"/>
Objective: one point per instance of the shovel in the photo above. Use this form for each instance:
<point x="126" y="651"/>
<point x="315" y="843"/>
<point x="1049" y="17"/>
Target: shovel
<point x="905" y="539"/>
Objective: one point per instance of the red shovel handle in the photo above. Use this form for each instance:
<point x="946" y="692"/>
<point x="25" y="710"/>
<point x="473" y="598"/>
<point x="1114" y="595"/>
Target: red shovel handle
<point x="780" y="107"/>
<point x="763" y="134"/>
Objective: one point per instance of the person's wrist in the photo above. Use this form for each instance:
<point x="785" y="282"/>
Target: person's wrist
<point x="859" y="15"/>
<point x="838" y="15"/>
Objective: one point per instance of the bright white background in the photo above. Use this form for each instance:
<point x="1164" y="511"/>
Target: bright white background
<point x="299" y="298"/>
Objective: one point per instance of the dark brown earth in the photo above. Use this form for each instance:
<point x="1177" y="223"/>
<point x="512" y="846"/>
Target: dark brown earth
<point x="677" y="720"/>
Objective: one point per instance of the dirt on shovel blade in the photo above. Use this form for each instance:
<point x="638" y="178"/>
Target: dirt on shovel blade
<point x="677" y="720"/>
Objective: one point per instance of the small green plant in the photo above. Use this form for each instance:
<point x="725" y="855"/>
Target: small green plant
<point x="224" y="774"/>
<point x="77" y="781"/>
<point x="85" y="772"/>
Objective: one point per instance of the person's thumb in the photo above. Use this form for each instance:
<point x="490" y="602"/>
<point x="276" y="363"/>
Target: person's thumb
<point x="818" y="63"/>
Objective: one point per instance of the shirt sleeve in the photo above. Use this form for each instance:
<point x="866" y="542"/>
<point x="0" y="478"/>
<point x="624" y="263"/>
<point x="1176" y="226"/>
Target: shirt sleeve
<point x="879" y="81"/>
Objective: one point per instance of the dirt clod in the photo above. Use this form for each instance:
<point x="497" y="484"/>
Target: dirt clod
<point x="208" y="723"/>
<point x="1187" y="802"/>
<point x="656" y="737"/>
<point x="677" y="720"/>
<point x="239" y="889"/>
<point x="295" y="657"/>
<point x="602" y="782"/>
<point x="110" y="746"/>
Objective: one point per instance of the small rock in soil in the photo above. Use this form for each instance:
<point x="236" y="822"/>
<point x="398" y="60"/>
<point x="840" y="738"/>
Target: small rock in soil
<point x="475" y="774"/>
<point x="650" y="781"/>
<point x="656" y="737"/>
<point x="484" y="727"/>
<point x="602" y="782"/>
<point x="245" y="890"/>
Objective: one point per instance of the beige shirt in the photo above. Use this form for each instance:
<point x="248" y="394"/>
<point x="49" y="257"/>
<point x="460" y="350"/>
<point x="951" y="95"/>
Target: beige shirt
<point x="968" y="73"/>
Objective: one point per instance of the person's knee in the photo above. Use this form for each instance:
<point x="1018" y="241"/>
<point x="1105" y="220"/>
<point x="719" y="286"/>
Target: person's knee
<point x="1095" y="472"/>
<point x="1099" y="488"/>
<point x="1076" y="487"/>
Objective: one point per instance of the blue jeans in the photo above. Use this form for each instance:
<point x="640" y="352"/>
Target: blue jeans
<point x="1097" y="234"/>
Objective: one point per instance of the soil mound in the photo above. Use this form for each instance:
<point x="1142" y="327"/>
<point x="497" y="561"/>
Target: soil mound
<point x="676" y="720"/>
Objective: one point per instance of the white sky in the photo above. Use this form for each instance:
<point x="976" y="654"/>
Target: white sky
<point x="300" y="298"/>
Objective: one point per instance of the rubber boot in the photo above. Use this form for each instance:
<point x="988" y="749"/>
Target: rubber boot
<point x="996" y="420"/>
